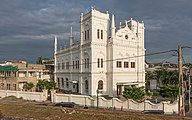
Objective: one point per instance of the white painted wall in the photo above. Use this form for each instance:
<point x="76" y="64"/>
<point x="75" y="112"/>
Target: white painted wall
<point x="117" y="103"/>
<point x="37" y="96"/>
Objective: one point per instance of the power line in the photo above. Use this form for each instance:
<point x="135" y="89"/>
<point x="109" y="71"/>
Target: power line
<point x="150" y="54"/>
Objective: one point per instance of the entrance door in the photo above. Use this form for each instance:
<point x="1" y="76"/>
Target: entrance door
<point x="119" y="89"/>
<point x="75" y="87"/>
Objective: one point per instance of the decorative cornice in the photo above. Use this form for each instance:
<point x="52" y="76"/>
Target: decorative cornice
<point x="98" y="44"/>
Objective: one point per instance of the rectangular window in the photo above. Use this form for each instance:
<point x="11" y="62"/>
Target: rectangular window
<point x="126" y="64"/>
<point x="63" y="66"/>
<point x="8" y="74"/>
<point x="118" y="64"/>
<point x="8" y="86"/>
<point x="101" y="34"/>
<point x="67" y="65"/>
<point x="73" y="64"/>
<point x="98" y="62"/>
<point x="39" y="74"/>
<point x="132" y="64"/>
<point x="101" y="62"/>
<point x="87" y="62"/>
<point x="14" y="86"/>
<point x="97" y="33"/>
<point x="58" y="66"/>
<point x="85" y="35"/>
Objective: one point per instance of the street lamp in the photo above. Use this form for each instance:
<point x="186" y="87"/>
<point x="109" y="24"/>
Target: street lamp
<point x="97" y="98"/>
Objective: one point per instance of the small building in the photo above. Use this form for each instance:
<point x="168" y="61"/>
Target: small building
<point x="14" y="74"/>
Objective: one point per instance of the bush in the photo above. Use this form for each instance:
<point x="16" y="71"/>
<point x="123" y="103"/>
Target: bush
<point x="149" y="94"/>
<point x="169" y="91"/>
<point x="134" y="93"/>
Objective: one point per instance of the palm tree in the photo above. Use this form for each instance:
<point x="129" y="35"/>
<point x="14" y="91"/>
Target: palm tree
<point x="148" y="77"/>
<point x="28" y="86"/>
<point x="160" y="75"/>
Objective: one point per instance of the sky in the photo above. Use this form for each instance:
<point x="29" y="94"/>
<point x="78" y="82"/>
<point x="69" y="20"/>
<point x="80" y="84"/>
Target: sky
<point x="28" y="27"/>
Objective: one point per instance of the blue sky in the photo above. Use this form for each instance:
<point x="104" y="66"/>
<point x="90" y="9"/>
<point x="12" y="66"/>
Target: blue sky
<point x="27" y="27"/>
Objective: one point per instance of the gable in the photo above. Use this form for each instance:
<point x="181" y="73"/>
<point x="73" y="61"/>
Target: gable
<point x="125" y="34"/>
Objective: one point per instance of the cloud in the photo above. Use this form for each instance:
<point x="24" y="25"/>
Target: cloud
<point x="29" y="24"/>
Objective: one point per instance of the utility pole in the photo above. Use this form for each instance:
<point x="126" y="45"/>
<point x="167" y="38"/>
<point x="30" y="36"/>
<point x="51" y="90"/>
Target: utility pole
<point x="189" y="83"/>
<point x="181" y="108"/>
<point x="97" y="99"/>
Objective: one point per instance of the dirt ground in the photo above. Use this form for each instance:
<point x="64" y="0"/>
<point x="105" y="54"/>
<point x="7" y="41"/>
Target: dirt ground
<point x="12" y="108"/>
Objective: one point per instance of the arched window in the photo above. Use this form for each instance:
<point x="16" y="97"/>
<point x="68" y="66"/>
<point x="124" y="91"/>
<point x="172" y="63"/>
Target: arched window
<point x="58" y="82"/>
<point x="62" y="80"/>
<point x="67" y="82"/>
<point x="100" y="85"/>
<point x="86" y="85"/>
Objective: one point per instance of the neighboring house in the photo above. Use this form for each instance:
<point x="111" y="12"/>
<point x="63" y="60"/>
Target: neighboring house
<point x="106" y="59"/>
<point x="14" y="74"/>
<point x="49" y="65"/>
<point x="163" y="65"/>
<point x="152" y="83"/>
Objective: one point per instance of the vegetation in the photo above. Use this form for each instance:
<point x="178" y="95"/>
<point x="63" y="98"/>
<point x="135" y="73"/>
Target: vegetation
<point x="28" y="86"/>
<point x="166" y="77"/>
<point x="44" y="84"/>
<point x="134" y="93"/>
<point x="148" y="77"/>
<point x="167" y="81"/>
<point x="39" y="60"/>
<point x="149" y="94"/>
<point x="169" y="91"/>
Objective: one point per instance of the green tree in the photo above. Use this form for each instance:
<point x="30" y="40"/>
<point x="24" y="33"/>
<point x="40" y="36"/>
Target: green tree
<point x="44" y="84"/>
<point x="28" y="86"/>
<point x="159" y="76"/>
<point x="169" y="91"/>
<point x="171" y="78"/>
<point x="39" y="60"/>
<point x="189" y="65"/>
<point x="166" y="77"/>
<point x="148" y="77"/>
<point x="134" y="93"/>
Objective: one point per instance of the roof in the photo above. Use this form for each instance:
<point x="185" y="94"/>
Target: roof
<point x="9" y="68"/>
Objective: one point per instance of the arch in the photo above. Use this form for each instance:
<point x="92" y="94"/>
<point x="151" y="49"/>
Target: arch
<point x="100" y="85"/>
<point x="100" y="54"/>
<point x="100" y="31"/>
<point x="76" y="58"/>
<point x="100" y="26"/>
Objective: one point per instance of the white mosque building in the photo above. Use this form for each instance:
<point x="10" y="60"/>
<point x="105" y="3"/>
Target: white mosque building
<point x="107" y="59"/>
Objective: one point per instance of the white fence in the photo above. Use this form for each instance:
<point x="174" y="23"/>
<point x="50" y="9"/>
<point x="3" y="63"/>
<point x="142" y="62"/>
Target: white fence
<point x="115" y="103"/>
<point x="37" y="96"/>
<point x="90" y="101"/>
